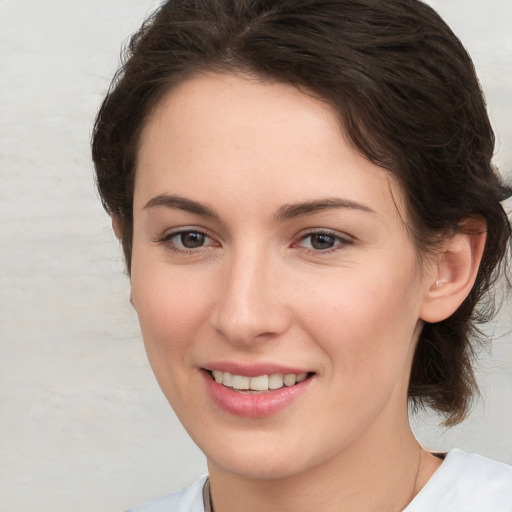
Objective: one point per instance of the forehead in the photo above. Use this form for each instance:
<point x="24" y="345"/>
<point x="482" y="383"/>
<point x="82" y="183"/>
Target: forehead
<point x="235" y="112"/>
<point x="248" y="139"/>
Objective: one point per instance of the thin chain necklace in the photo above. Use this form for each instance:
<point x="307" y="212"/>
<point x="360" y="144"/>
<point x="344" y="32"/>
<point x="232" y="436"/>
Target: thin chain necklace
<point x="415" y="479"/>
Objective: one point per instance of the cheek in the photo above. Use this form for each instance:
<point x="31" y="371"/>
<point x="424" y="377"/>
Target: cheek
<point x="171" y="314"/>
<point x="366" y="326"/>
<point x="172" y="310"/>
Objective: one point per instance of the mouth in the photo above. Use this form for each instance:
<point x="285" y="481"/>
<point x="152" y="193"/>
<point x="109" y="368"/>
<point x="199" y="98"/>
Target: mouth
<point x="255" y="391"/>
<point x="258" y="383"/>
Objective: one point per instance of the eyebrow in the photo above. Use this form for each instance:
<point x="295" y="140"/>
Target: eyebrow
<point x="181" y="203"/>
<point x="285" y="212"/>
<point x="290" y="211"/>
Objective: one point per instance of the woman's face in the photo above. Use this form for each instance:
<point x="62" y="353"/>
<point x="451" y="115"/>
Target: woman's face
<point x="265" y="246"/>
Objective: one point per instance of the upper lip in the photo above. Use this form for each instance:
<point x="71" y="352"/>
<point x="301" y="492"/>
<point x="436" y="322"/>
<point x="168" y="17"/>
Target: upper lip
<point x="255" y="369"/>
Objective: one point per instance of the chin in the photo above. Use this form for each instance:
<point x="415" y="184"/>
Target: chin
<point x="259" y="457"/>
<point x="261" y="468"/>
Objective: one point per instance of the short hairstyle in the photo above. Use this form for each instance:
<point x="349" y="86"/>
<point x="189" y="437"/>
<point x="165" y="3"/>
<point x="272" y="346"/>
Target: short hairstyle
<point x="408" y="98"/>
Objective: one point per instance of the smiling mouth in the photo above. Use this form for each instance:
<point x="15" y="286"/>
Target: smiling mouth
<point x="258" y="384"/>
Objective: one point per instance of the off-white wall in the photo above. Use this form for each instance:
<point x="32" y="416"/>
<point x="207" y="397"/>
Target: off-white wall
<point x="83" y="426"/>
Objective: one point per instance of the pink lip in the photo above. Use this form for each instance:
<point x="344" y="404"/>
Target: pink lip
<point x="253" y="405"/>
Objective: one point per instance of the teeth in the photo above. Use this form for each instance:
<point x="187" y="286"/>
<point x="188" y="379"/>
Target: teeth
<point x="275" y="381"/>
<point x="240" y="382"/>
<point x="259" y="383"/>
<point x="227" y="379"/>
<point x="290" y="379"/>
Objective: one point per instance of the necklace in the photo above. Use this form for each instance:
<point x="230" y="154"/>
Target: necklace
<point x="415" y="479"/>
<point x="207" y="495"/>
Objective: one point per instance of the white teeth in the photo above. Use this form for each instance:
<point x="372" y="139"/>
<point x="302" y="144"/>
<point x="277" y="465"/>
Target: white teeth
<point x="290" y="380"/>
<point x="275" y="381"/>
<point x="258" y="383"/>
<point x="240" y="382"/>
<point x="227" y="379"/>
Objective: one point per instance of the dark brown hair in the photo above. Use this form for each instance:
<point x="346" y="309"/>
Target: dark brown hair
<point x="409" y="100"/>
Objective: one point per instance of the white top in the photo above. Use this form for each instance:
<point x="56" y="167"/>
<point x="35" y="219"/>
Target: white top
<point x="465" y="482"/>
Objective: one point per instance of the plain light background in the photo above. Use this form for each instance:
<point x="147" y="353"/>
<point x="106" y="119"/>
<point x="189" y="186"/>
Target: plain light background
<point x="83" y="426"/>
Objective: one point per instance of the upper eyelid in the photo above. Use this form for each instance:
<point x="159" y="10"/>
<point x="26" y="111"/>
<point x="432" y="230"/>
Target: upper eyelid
<point x="166" y="241"/>
<point x="344" y="241"/>
<point x="169" y="233"/>
<point x="324" y="231"/>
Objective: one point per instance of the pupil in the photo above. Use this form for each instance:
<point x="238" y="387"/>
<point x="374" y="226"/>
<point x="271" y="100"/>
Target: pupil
<point x="320" y="242"/>
<point x="192" y="239"/>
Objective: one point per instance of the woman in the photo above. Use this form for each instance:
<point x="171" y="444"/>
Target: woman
<point x="312" y="225"/>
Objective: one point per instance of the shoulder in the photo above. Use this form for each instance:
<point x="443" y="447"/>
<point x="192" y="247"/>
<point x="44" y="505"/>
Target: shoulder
<point x="466" y="482"/>
<point x="187" y="500"/>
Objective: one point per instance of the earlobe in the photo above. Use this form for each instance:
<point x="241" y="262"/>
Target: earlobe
<point x="455" y="271"/>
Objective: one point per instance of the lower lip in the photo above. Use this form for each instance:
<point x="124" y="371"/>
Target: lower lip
<point x="253" y="405"/>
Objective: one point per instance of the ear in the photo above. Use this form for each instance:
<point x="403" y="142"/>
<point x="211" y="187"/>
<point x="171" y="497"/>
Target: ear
<point x="117" y="226"/>
<point x="454" y="272"/>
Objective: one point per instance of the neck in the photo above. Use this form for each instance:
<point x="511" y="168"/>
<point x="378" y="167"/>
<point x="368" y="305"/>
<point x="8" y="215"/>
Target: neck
<point x="376" y="473"/>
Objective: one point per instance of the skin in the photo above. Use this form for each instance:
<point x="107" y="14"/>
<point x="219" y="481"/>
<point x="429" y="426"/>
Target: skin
<point x="259" y="290"/>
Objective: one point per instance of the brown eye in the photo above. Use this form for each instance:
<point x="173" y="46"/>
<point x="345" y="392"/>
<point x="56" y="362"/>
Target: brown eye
<point x="187" y="242"/>
<point x="322" y="241"/>
<point x="190" y="239"/>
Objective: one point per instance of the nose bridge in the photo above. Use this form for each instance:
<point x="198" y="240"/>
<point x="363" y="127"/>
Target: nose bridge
<point x="249" y="305"/>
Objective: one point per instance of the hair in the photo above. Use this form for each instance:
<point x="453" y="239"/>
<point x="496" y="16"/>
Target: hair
<point x="408" y="98"/>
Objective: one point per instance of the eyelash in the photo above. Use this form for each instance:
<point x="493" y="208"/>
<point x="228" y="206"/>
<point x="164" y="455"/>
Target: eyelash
<point x="167" y="241"/>
<point x="340" y="242"/>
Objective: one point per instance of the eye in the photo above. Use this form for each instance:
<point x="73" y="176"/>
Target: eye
<point x="189" y="239"/>
<point x="322" y="241"/>
<point x="186" y="240"/>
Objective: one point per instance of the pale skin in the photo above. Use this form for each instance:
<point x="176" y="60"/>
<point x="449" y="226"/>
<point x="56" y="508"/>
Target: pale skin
<point x="261" y="236"/>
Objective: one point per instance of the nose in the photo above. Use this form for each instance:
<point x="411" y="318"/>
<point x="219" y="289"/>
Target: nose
<point x="251" y="304"/>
